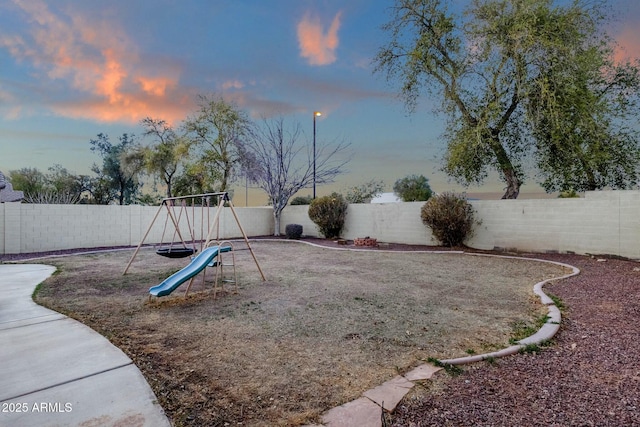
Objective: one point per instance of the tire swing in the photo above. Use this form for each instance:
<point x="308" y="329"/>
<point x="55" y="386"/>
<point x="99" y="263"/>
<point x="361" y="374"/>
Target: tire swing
<point x="181" y="250"/>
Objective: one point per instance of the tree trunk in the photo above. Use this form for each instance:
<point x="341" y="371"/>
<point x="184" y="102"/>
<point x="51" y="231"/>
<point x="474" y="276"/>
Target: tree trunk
<point x="168" y="182"/>
<point x="513" y="184"/>
<point x="506" y="167"/>
<point x="276" y="220"/>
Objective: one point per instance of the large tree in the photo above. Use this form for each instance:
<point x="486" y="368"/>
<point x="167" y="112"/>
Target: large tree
<point x="114" y="180"/>
<point x="219" y="129"/>
<point x="583" y="120"/>
<point x="165" y="155"/>
<point x="283" y="163"/>
<point x="499" y="68"/>
<point x="413" y="188"/>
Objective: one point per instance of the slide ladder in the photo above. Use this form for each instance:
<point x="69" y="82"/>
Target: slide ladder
<point x="228" y="260"/>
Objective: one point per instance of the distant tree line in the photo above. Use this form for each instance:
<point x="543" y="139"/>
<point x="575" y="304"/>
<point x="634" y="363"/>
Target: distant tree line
<point x="211" y="148"/>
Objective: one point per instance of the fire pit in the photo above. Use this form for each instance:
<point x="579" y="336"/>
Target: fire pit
<point x="365" y="241"/>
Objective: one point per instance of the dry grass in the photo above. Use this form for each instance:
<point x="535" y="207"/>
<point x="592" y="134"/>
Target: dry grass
<point x="326" y="326"/>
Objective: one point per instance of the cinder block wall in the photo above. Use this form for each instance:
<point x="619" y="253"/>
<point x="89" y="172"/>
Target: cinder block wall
<point x="600" y="223"/>
<point x="26" y="228"/>
<point x="606" y="222"/>
<point x="387" y="222"/>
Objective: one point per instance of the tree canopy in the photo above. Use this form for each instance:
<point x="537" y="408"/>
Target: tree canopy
<point x="413" y="188"/>
<point x="166" y="153"/>
<point x="520" y="81"/>
<point x="115" y="181"/>
<point x="219" y="130"/>
<point x="59" y="186"/>
<point x="364" y="193"/>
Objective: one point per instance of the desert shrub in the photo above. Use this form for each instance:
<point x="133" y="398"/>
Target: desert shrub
<point x="450" y="218"/>
<point x="329" y="213"/>
<point x="365" y="192"/>
<point x="301" y="200"/>
<point x="293" y="231"/>
<point x="568" y="194"/>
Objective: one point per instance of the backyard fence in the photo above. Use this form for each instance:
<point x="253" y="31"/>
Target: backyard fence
<point x="604" y="222"/>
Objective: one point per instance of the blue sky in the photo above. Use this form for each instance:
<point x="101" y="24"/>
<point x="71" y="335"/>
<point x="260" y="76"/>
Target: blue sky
<point x="71" y="69"/>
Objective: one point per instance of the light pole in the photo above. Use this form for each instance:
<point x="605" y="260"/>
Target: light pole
<point x="315" y="114"/>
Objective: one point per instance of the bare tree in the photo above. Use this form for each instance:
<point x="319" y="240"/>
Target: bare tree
<point x="281" y="166"/>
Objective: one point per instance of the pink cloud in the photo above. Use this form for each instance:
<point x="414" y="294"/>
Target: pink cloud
<point x="319" y="48"/>
<point x="628" y="45"/>
<point x="156" y="86"/>
<point x="98" y="60"/>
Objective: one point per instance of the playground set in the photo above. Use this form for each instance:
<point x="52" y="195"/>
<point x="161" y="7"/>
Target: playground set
<point x="210" y="250"/>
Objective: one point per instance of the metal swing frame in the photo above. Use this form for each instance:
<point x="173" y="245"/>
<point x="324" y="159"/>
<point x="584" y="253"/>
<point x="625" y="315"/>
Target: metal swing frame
<point x="223" y="198"/>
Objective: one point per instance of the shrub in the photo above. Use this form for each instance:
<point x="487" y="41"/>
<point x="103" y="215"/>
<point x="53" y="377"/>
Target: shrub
<point x="568" y="194"/>
<point x="293" y="231"/>
<point x="301" y="200"/>
<point x="450" y="218"/>
<point x="365" y="192"/>
<point x="329" y="213"/>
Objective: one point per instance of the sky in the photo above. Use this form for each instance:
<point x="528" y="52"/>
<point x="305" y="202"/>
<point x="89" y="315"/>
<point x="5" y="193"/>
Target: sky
<point x="71" y="69"/>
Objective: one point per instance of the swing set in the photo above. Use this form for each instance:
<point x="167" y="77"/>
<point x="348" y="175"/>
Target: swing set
<point x="177" y="216"/>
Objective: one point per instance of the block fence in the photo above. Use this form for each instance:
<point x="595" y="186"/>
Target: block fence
<point x="606" y="222"/>
<point x="26" y="228"/>
<point x="603" y="222"/>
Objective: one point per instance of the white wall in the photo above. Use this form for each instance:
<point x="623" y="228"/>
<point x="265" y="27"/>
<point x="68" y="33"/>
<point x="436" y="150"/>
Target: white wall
<point x="387" y="222"/>
<point x="26" y="228"/>
<point x="606" y="222"/>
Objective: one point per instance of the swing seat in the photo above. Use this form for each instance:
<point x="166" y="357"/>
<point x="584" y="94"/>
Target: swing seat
<point x="175" y="252"/>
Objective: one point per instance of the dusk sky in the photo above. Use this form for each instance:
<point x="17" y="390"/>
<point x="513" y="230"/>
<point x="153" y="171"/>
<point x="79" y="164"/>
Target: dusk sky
<point x="70" y="69"/>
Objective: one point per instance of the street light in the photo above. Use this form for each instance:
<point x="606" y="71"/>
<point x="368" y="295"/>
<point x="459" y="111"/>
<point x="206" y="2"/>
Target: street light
<point x="315" y="114"/>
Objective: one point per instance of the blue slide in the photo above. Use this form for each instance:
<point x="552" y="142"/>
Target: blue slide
<point x="196" y="265"/>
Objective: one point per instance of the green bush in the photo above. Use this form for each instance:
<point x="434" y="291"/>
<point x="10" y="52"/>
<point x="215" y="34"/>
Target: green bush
<point x="293" y="231"/>
<point x="329" y="213"/>
<point x="301" y="200"/>
<point x="450" y="218"/>
<point x="568" y="194"/>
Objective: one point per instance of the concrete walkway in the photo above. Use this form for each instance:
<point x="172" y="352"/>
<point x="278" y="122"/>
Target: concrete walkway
<point x="55" y="371"/>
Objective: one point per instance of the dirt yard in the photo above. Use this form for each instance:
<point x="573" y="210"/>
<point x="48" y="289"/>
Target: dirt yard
<point x="325" y="326"/>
